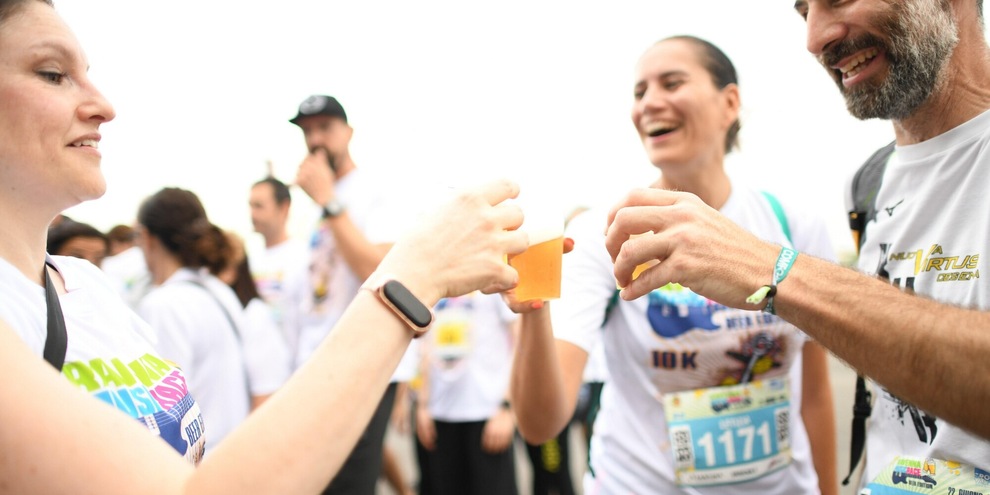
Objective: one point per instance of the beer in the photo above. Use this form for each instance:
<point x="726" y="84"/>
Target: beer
<point x="539" y="268"/>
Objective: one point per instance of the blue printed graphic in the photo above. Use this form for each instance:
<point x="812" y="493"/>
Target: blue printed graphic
<point x="674" y="310"/>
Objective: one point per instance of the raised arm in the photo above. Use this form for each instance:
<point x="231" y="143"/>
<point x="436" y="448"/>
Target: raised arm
<point x="301" y="436"/>
<point x="546" y="378"/>
<point x="930" y="354"/>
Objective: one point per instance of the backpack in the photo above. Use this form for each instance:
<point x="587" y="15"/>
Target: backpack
<point x="865" y="185"/>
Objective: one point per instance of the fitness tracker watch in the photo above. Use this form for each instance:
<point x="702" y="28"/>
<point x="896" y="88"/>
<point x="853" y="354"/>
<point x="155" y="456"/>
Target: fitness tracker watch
<point x="403" y="303"/>
<point x="333" y="209"/>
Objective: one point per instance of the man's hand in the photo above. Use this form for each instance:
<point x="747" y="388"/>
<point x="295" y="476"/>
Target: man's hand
<point x="696" y="246"/>
<point x="315" y="176"/>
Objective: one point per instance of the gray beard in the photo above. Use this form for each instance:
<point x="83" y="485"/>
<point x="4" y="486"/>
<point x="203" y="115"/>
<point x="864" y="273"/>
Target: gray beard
<point x="921" y="43"/>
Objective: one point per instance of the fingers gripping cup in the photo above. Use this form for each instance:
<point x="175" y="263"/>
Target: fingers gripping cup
<point x="539" y="266"/>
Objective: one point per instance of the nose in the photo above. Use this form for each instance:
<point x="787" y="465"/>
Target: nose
<point x="824" y="28"/>
<point x="95" y="106"/>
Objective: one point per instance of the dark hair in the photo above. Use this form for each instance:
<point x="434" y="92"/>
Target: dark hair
<point x="723" y="73"/>
<point x="10" y="7"/>
<point x="244" y="285"/>
<point x="66" y="230"/>
<point x="121" y="233"/>
<point x="281" y="191"/>
<point x="177" y="218"/>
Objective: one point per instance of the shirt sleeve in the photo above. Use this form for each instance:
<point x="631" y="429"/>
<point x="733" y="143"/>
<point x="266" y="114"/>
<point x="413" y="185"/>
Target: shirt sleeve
<point x="588" y="283"/>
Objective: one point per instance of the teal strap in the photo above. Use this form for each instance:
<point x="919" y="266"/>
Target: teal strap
<point x="612" y="302"/>
<point x="781" y="217"/>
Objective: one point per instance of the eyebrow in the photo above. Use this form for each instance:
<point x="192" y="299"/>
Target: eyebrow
<point x="799" y="4"/>
<point x="54" y="46"/>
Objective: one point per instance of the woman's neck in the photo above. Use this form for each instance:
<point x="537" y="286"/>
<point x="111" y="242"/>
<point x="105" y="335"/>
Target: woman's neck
<point x="712" y="186"/>
<point x="23" y="243"/>
<point x="162" y="268"/>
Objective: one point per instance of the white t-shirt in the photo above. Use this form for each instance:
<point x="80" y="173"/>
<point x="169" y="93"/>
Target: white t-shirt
<point x="194" y="332"/>
<point x="274" y="270"/>
<point x="929" y="235"/>
<point x="266" y="355"/>
<point x="469" y="351"/>
<point x="322" y="299"/>
<point x="129" y="273"/>
<point x="673" y="340"/>
<point x="108" y="355"/>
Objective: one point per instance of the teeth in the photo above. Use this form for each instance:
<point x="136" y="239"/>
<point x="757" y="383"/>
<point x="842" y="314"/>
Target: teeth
<point x="654" y="127"/>
<point x="92" y="143"/>
<point x="856" y="65"/>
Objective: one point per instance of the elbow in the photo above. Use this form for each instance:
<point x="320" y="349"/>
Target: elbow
<point x="539" y="430"/>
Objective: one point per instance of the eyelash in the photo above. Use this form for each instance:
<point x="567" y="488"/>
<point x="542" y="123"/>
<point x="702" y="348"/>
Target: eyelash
<point x="53" y="76"/>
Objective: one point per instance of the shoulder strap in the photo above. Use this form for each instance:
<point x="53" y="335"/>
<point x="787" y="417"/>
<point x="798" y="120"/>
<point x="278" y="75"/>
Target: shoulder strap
<point x="230" y="318"/>
<point x="865" y="185"/>
<point x="781" y="216"/>
<point x="57" y="340"/>
<point x="233" y="326"/>
<point x="612" y="303"/>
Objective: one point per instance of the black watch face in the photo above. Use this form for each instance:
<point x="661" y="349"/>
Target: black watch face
<point x="407" y="303"/>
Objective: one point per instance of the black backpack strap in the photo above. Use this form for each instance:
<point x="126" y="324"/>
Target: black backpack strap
<point x="57" y="340"/>
<point x="862" y="408"/>
<point x="865" y="185"/>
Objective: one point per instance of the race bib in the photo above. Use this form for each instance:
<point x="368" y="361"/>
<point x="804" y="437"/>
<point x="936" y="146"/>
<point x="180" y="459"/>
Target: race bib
<point x="725" y="435"/>
<point x="926" y="475"/>
<point x="451" y="335"/>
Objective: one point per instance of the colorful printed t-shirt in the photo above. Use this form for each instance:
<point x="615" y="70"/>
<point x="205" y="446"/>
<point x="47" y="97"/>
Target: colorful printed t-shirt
<point x="672" y="341"/>
<point x="108" y="354"/>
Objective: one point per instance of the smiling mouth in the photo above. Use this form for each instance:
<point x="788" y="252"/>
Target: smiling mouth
<point x="856" y="65"/>
<point x="87" y="143"/>
<point x="657" y="129"/>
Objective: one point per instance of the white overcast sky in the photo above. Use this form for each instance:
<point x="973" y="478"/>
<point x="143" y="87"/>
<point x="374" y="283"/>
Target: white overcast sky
<point x="443" y="93"/>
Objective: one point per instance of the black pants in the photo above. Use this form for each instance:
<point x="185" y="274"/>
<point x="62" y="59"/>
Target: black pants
<point x="360" y="472"/>
<point x="551" y="466"/>
<point x="458" y="466"/>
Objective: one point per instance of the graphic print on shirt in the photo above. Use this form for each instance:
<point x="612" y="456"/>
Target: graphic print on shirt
<point x="321" y="267"/>
<point x="451" y="332"/>
<point x="149" y="389"/>
<point x="907" y="267"/>
<point x="728" y="420"/>
<point x="749" y="342"/>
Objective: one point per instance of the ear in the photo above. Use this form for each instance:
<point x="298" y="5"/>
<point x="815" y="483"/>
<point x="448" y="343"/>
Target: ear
<point x="730" y="94"/>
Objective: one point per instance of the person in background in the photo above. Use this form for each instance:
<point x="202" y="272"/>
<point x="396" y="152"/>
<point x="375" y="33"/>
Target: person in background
<point x="358" y="224"/>
<point x="125" y="265"/>
<point x="679" y="365"/>
<point x="266" y="355"/>
<point x="464" y="419"/>
<point x="121" y="238"/>
<point x="197" y="319"/>
<point x="79" y="240"/>
<point x="284" y="260"/>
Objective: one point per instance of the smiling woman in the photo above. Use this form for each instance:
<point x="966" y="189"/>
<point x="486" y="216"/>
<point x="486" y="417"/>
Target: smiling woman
<point x="64" y="310"/>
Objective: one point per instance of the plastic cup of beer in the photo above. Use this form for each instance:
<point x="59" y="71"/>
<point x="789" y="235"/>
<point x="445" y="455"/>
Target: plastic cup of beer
<point x="642" y="267"/>
<point x="539" y="266"/>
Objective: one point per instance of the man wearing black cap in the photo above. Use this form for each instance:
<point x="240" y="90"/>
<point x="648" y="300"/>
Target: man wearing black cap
<point x="355" y="232"/>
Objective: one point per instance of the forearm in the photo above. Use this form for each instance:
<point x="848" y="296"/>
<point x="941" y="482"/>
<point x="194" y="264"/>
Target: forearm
<point x="911" y="345"/>
<point x="818" y="415"/>
<point x="360" y="254"/>
<point x="330" y="400"/>
<point x="537" y="387"/>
